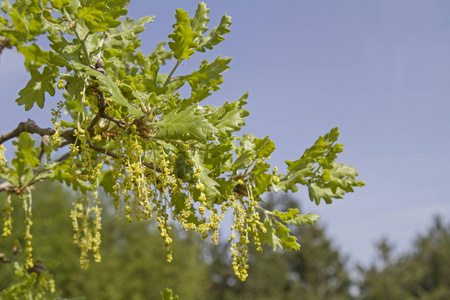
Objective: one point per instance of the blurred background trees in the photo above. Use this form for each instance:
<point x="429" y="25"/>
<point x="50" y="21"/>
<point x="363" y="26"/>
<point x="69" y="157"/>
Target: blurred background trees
<point x="134" y="266"/>
<point x="424" y="273"/>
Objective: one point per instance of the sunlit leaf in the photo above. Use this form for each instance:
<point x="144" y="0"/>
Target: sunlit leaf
<point x="184" y="125"/>
<point x="216" y="35"/>
<point x="106" y="85"/>
<point x="34" y="91"/>
<point x="183" y="44"/>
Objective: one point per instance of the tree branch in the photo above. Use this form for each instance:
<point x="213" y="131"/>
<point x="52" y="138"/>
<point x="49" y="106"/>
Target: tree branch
<point x="7" y="187"/>
<point x="31" y="127"/>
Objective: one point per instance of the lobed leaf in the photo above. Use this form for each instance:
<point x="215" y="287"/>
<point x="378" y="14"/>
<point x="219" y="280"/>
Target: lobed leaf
<point x="229" y="117"/>
<point x="200" y="20"/>
<point x="69" y="52"/>
<point x="92" y="12"/>
<point x="293" y="216"/>
<point x="215" y="36"/>
<point x="34" y="56"/>
<point x="183" y="44"/>
<point x="209" y="74"/>
<point x="278" y="235"/>
<point x="131" y="32"/>
<point x="106" y="85"/>
<point x="34" y="91"/>
<point x="185" y="125"/>
<point x="211" y="186"/>
<point x="58" y="4"/>
<point x="318" y="170"/>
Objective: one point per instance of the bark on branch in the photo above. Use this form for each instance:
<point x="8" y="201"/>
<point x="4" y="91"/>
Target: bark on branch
<point x="31" y="127"/>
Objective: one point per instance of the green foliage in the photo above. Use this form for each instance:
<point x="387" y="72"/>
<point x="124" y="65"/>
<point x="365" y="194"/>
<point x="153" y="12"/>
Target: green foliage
<point x="166" y="294"/>
<point x="34" y="91"/>
<point x="133" y="261"/>
<point x="31" y="285"/>
<point x="185" y="126"/>
<point x="129" y="131"/>
<point x="318" y="271"/>
<point x="423" y="273"/>
<point x="106" y="85"/>
<point x="318" y="170"/>
<point x="183" y="37"/>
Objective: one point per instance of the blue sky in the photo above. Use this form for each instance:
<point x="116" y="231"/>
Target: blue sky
<point x="379" y="70"/>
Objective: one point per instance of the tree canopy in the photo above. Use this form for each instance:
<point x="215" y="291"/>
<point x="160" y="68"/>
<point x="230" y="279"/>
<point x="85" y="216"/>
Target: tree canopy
<point x="127" y="130"/>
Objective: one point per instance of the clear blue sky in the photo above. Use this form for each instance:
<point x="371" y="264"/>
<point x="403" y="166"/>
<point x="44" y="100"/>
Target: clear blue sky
<point x="379" y="70"/>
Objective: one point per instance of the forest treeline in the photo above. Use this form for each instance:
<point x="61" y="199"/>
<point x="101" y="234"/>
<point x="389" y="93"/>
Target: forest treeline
<point x="134" y="266"/>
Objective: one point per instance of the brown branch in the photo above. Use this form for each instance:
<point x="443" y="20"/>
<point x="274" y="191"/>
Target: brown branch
<point x="7" y="187"/>
<point x="31" y="127"/>
<point x="4" y="43"/>
<point x="42" y="151"/>
<point x="94" y="122"/>
<point x="4" y="259"/>
<point x="121" y="123"/>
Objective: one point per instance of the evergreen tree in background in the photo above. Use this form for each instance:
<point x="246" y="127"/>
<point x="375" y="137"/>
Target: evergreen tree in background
<point x="422" y="274"/>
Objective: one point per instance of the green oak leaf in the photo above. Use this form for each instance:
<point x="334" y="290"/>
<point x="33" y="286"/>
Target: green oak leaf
<point x="106" y="180"/>
<point x="341" y="176"/>
<point x="262" y="181"/>
<point x="288" y="241"/>
<point x="101" y="15"/>
<point x="34" y="91"/>
<point x="318" y="170"/>
<point x="110" y="19"/>
<point x="278" y="236"/>
<point x="72" y="8"/>
<point x="228" y="117"/>
<point x="209" y="74"/>
<point x="200" y="20"/>
<point x="183" y="44"/>
<point x="319" y="190"/>
<point x="184" y="125"/>
<point x="34" y="56"/>
<point x="260" y="147"/>
<point x="21" y="31"/>
<point x="293" y="216"/>
<point x="92" y="12"/>
<point x="215" y="36"/>
<point x="3" y="23"/>
<point x="106" y="85"/>
<point x="6" y="7"/>
<point x="219" y="156"/>
<point x="131" y="30"/>
<point x="183" y="169"/>
<point x="26" y="156"/>
<point x="26" y="151"/>
<point x="68" y="51"/>
<point x="211" y="186"/>
<point x="34" y="6"/>
<point x="58" y="4"/>
<point x="264" y="147"/>
<point x="324" y="151"/>
<point x="290" y="181"/>
<point x="46" y="23"/>
<point x="159" y="55"/>
<point x="244" y="160"/>
<point x="62" y="174"/>
<point x="166" y="294"/>
<point x="231" y="121"/>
